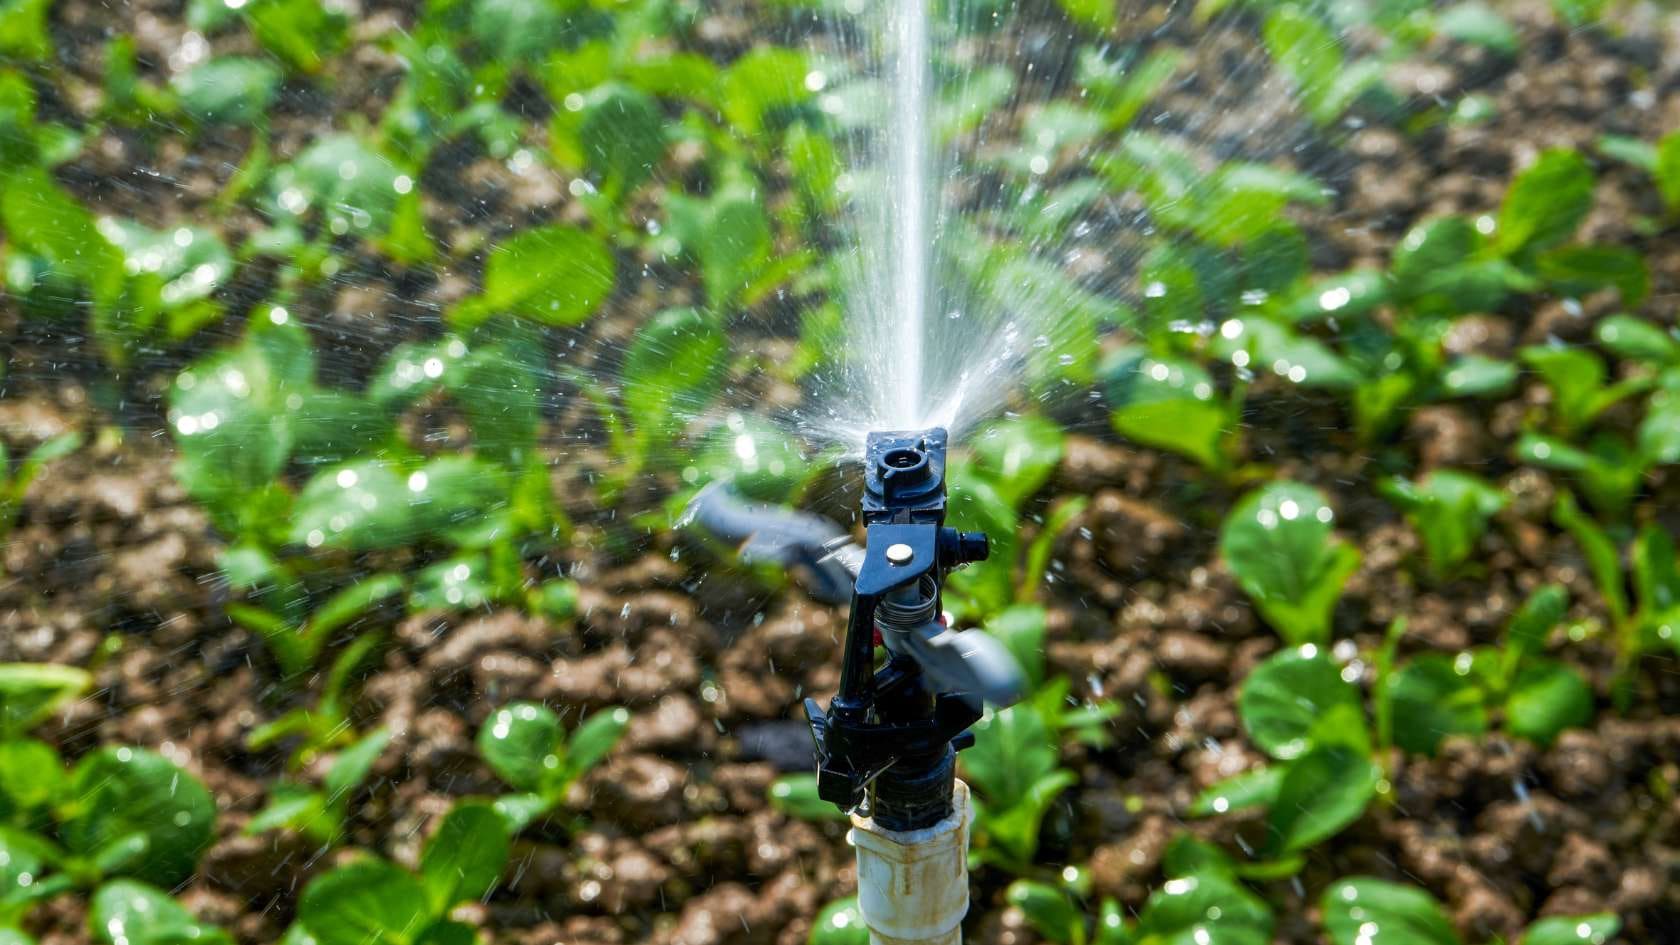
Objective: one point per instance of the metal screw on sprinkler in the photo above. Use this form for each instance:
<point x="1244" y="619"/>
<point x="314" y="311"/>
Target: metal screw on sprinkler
<point x="900" y="554"/>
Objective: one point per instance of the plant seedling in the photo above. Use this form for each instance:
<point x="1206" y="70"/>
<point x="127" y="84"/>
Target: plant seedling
<point x="1449" y="510"/>
<point x="124" y="912"/>
<point x="14" y="483"/>
<point x="1351" y="907"/>
<point x="1440" y="694"/>
<point x="1172" y="404"/>
<point x="1579" y="390"/>
<point x="1278" y="543"/>
<point x="1297" y="707"/>
<point x="372" y="900"/>
<point x="1202" y="901"/>
<point x="1015" y="770"/>
<point x="1652" y="623"/>
<point x="525" y="744"/>
<point x="326" y="726"/>
<point x="319" y="814"/>
<point x="839" y="923"/>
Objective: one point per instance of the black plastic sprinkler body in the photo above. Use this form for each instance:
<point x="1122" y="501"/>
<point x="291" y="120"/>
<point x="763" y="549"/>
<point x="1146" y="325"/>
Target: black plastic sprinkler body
<point x="891" y="735"/>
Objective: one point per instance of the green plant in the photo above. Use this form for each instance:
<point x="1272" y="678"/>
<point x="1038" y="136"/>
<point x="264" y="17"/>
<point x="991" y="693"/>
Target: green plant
<point x="1202" y="901"/>
<point x="1010" y="462"/>
<point x="1298" y="708"/>
<point x="839" y="923"/>
<point x="14" y="483"/>
<point x="1172" y="404"/>
<point x="1651" y="623"/>
<point x="1014" y="768"/>
<point x="1449" y="510"/>
<point x="1278" y="543"/>
<point x="1354" y="906"/>
<point x="525" y="744"/>
<point x="326" y="725"/>
<point x="124" y="912"/>
<point x="319" y="814"/>
<point x="1306" y="50"/>
<point x="1439" y="694"/>
<point x="1579" y="390"/>
<point x="372" y="900"/>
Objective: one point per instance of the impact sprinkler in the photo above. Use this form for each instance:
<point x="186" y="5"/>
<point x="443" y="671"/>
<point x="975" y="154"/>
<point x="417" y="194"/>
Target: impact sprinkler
<point x="886" y="746"/>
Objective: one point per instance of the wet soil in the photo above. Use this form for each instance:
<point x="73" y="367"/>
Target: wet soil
<point x="672" y="841"/>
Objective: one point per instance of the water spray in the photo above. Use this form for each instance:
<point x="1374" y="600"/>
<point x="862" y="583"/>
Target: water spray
<point x="886" y="745"/>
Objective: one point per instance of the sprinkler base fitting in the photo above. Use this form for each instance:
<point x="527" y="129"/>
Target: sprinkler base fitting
<point x="913" y="884"/>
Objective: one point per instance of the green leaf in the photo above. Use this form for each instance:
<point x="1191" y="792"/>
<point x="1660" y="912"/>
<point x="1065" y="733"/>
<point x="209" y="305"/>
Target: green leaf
<point x="31" y="777"/>
<point x="1640" y="154"/>
<point x="1431" y="247"/>
<point x="1257" y="787"/>
<point x="1285" y="696"/>
<point x="1351" y="294"/>
<point x="1188" y="856"/>
<point x="1433" y="699"/>
<point x="130" y="913"/>
<point x="517" y="31"/>
<point x="24" y="860"/>
<point x="23" y="30"/>
<point x="1323" y="791"/>
<point x="1400" y="915"/>
<point x="358" y="506"/>
<point x="132" y="796"/>
<point x="1602" y="557"/>
<point x="464" y="859"/>
<point x="348" y="186"/>
<point x="1474" y="375"/>
<point x="1547" y="697"/>
<point x="1278" y="544"/>
<point x="556" y="275"/>
<point x="729" y="234"/>
<point x="352" y="765"/>
<point x="1545" y="203"/>
<point x="1636" y="339"/>
<point x="761" y="84"/>
<point x="1012" y="750"/>
<point x="673" y="368"/>
<point x="294" y="807"/>
<point x="1533" y="622"/>
<point x="1048" y="910"/>
<point x="621" y="132"/>
<point x="1206" y="909"/>
<point x="1022" y="629"/>
<point x="796" y="796"/>
<point x="455" y="496"/>
<point x="448" y="932"/>
<point x="759" y="459"/>
<point x="592" y="741"/>
<point x="31" y="692"/>
<point x="1573" y="930"/>
<point x="302" y="33"/>
<point x="1018" y="455"/>
<point x="1668" y="171"/>
<point x="458" y="583"/>
<point x="1450" y="510"/>
<point x="839" y="923"/>
<point x="1305" y="49"/>
<point x="1581" y="270"/>
<point x="1479" y="24"/>
<point x="521" y="743"/>
<point x="16" y="937"/>
<point x="229" y="90"/>
<point x="364" y="902"/>
<point x="1276" y="348"/>
<point x="1167" y="404"/>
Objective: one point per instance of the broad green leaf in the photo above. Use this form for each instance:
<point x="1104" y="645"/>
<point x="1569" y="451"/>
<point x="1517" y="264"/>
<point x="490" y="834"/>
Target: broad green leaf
<point x="522" y="743"/>
<point x="132" y="796"/>
<point x="1269" y="346"/>
<point x="178" y="266"/>
<point x="359" y="506"/>
<point x="1480" y="24"/>
<point x="621" y="134"/>
<point x="1351" y="294"/>
<point x="23" y="30"/>
<point x="759" y="85"/>
<point x="228" y="90"/>
<point x="593" y="739"/>
<point x="1433" y="699"/>
<point x="1022" y="629"/>
<point x="458" y="583"/>
<point x="1278" y="544"/>
<point x="1608" y="474"/>
<point x="1573" y="930"/>
<point x="464" y="859"/>
<point x="796" y="796"/>
<point x="24" y="860"/>
<point x="448" y="932"/>
<point x="1450" y="511"/>
<point x="1365" y="911"/>
<point x="1285" y="696"/>
<point x="729" y="234"/>
<point x="556" y="275"/>
<point x="1429" y="248"/>
<point x="760" y="460"/>
<point x="1668" y="171"/>
<point x="1474" y="375"/>
<point x="1205" y="909"/>
<point x="673" y="368"/>
<point x="1533" y="622"/>
<point x="1547" y="697"/>
<point x="31" y="777"/>
<point x="1167" y="404"/>
<point x="1254" y="788"/>
<point x="30" y="692"/>
<point x="1188" y="856"/>
<point x="454" y="495"/>
<point x="364" y="902"/>
<point x="1580" y="270"/>
<point x="976" y="506"/>
<point x="294" y="807"/>
<point x="839" y="923"/>
<point x="1627" y="336"/>
<point x="129" y="913"/>
<point x="1048" y="910"/>
<point x="518" y="31"/>
<point x="1545" y="203"/>
<point x="1659" y="431"/>
<point x="339" y="180"/>
<point x="352" y="765"/>
<point x="304" y="34"/>
<point x="517" y="811"/>
<point x="1018" y="455"/>
<point x="1640" y="154"/>
<point x="1012" y="750"/>
<point x="1124" y="90"/>
<point x="1323" y="791"/>
<point x="1014" y="830"/>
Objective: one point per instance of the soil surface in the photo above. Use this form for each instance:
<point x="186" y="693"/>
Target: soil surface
<point x="671" y="841"/>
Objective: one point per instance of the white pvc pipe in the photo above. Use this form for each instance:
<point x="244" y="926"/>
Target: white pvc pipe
<point x="913" y="884"/>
